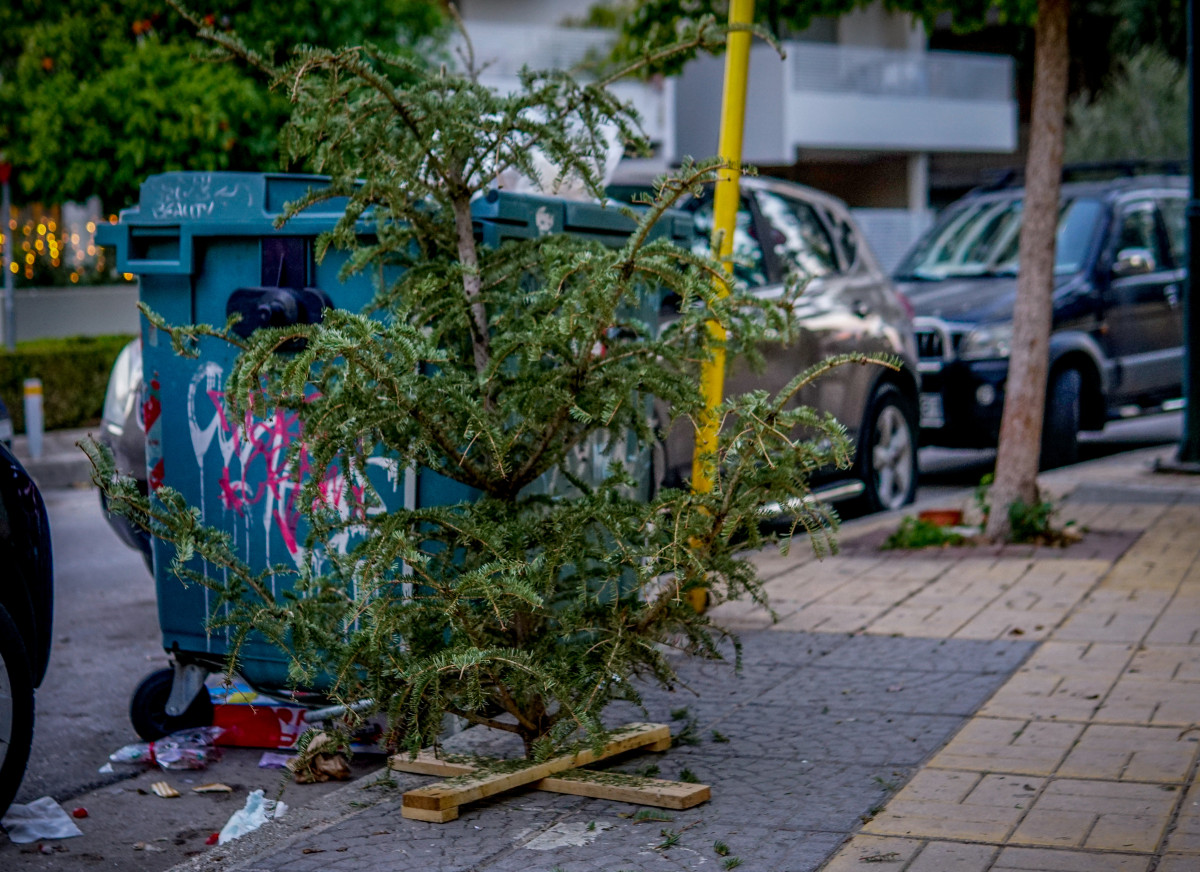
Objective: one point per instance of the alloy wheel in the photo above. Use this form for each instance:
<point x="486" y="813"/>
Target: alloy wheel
<point x="893" y="457"/>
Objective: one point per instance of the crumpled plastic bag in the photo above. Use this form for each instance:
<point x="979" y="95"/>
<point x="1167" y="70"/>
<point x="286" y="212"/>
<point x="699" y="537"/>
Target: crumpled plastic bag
<point x="256" y="812"/>
<point x="41" y="819"/>
<point x="186" y="749"/>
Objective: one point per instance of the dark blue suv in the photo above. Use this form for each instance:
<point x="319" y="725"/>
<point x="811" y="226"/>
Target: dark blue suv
<point x="1116" y="347"/>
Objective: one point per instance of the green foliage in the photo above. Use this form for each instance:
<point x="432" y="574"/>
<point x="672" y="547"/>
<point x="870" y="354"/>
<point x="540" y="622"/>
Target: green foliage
<point x="1028" y="523"/>
<point x="980" y="495"/>
<point x="1132" y="25"/>
<point x="1141" y="113"/>
<point x="544" y="596"/>
<point x="670" y="838"/>
<point x="609" y="15"/>
<point x="647" y="25"/>
<point x="688" y="734"/>
<point x="74" y="374"/>
<point x="157" y="110"/>
<point x="1031" y="523"/>
<point x="887" y="784"/>
<point x="914" y="533"/>
<point x="96" y="96"/>
<point x="721" y="849"/>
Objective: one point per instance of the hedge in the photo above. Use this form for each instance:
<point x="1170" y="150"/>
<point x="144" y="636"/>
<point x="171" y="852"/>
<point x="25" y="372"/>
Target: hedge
<point x="74" y="373"/>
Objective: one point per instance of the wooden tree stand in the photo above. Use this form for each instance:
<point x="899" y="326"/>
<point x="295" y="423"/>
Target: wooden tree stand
<point x="473" y="778"/>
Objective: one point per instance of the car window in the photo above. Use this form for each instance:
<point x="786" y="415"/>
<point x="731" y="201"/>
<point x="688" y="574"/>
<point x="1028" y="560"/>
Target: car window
<point x="1139" y="229"/>
<point x="749" y="265"/>
<point x="800" y="240"/>
<point x="848" y="239"/>
<point x="966" y="241"/>
<point x="982" y="237"/>
<point x="1174" y="213"/>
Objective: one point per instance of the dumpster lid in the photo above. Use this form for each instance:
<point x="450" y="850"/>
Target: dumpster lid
<point x="225" y="198"/>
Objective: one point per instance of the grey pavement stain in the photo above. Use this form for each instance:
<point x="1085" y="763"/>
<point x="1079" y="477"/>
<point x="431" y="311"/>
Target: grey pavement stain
<point x="815" y="733"/>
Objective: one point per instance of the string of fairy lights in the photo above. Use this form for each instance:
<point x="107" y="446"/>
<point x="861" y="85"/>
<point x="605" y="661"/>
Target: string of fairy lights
<point x="46" y="251"/>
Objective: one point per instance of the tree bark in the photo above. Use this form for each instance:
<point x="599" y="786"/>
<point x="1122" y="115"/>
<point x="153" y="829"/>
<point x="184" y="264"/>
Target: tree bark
<point x="1024" y="405"/>
<point x="468" y="257"/>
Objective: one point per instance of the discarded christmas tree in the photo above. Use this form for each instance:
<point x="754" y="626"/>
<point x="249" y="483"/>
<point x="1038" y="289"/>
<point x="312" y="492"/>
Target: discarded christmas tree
<point x="532" y="606"/>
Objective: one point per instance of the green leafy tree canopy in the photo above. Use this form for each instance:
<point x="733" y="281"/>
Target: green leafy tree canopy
<point x="1142" y="113"/>
<point x="645" y="25"/>
<point x="96" y="96"/>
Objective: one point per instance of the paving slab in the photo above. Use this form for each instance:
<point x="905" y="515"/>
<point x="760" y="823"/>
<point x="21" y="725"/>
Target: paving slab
<point x="801" y="747"/>
<point x="1095" y="735"/>
<point x="1020" y="709"/>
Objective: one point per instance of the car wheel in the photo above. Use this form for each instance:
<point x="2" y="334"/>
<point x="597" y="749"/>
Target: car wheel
<point x="1060" y="426"/>
<point x="887" y="453"/>
<point x="148" y="708"/>
<point x="16" y="708"/>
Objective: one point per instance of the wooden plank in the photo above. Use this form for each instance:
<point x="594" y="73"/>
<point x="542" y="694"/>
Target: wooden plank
<point x="427" y="763"/>
<point x="442" y="816"/>
<point x="517" y="773"/>
<point x="616" y="786"/>
<point x="621" y="787"/>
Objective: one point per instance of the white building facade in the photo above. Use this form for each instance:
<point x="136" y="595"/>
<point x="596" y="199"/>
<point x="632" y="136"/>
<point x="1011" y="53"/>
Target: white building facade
<point x="855" y="108"/>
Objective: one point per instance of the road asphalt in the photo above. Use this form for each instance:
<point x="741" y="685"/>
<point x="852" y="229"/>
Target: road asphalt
<point x="973" y="708"/>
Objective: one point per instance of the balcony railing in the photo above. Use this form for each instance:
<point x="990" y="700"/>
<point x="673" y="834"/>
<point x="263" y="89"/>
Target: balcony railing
<point x="878" y="72"/>
<point x="823" y="96"/>
<point x="826" y="97"/>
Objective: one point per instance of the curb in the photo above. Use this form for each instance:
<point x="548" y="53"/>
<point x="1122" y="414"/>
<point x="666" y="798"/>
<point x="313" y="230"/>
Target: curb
<point x="299" y="822"/>
<point x="62" y="463"/>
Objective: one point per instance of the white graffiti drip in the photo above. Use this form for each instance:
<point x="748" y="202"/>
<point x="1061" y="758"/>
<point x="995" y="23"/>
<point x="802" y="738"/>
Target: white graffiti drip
<point x="258" y="479"/>
<point x="202" y="437"/>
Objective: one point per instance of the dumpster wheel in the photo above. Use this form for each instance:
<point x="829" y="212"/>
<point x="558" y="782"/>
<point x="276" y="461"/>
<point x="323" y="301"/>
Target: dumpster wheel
<point x="148" y="708"/>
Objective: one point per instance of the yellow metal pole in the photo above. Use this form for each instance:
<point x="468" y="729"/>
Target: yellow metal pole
<point x="725" y="208"/>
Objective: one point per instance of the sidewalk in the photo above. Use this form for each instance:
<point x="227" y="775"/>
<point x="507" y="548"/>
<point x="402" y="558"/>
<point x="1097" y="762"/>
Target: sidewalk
<point x="969" y="709"/>
<point x="62" y="463"/>
<point x="1086" y="758"/>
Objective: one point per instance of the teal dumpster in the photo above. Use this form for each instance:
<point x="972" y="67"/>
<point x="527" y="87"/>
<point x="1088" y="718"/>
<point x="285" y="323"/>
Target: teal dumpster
<point x="203" y="245"/>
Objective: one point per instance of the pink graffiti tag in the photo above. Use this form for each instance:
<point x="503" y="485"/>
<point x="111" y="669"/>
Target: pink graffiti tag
<point x="257" y="471"/>
<point x="152" y="425"/>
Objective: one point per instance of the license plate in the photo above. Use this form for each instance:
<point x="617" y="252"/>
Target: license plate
<point x="932" y="416"/>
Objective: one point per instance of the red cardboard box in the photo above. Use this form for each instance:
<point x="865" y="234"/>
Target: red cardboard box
<point x="251" y="720"/>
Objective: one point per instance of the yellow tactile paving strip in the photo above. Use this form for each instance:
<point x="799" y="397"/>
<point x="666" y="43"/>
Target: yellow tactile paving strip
<point x="1086" y="759"/>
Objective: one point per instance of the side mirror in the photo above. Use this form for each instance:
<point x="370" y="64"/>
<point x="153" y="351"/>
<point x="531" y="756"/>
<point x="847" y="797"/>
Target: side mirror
<point x="1134" y="262"/>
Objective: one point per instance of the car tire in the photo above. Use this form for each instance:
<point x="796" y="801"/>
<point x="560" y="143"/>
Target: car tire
<point x="148" y="708"/>
<point x="16" y="708"/>
<point x="887" y="452"/>
<point x="1060" y="426"/>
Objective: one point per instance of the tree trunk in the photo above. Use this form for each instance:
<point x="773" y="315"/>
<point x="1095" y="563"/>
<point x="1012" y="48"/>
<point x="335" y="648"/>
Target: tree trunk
<point x="468" y="257"/>
<point x="1024" y="405"/>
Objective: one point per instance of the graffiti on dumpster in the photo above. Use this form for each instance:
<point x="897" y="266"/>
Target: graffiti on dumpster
<point x="196" y="197"/>
<point x="260" y="476"/>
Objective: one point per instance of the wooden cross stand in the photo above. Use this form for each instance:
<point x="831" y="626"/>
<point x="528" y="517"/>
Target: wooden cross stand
<point x="474" y="778"/>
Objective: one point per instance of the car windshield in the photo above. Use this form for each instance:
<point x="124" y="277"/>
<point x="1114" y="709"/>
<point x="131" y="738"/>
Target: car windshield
<point x="980" y="238"/>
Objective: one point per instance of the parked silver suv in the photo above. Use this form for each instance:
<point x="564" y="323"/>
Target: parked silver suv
<point x="849" y="305"/>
